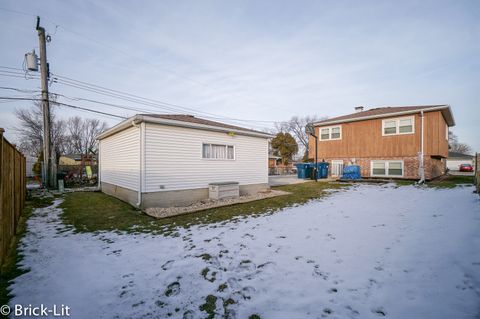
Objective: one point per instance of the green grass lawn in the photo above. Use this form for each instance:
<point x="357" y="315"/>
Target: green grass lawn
<point x="449" y="181"/>
<point x="90" y="212"/>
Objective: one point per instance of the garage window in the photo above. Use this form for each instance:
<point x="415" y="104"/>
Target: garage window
<point x="218" y="151"/>
<point x="387" y="168"/>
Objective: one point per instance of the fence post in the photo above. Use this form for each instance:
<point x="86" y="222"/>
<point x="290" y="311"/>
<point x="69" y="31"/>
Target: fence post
<point x="2" y="202"/>
<point x="477" y="173"/>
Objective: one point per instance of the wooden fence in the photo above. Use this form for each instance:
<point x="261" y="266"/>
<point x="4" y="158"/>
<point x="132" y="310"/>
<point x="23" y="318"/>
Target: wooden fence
<point x="12" y="192"/>
<point x="477" y="172"/>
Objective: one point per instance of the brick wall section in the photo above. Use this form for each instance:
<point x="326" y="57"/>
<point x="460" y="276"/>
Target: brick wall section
<point x="433" y="167"/>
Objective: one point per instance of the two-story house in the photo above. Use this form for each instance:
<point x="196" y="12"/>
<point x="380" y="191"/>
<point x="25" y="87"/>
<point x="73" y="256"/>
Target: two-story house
<point x="409" y="142"/>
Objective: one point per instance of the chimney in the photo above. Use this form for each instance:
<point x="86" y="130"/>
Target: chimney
<point x="358" y="109"/>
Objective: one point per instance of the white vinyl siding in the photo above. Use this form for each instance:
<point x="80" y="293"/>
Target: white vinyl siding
<point x="120" y="159"/>
<point x="398" y="126"/>
<point x="174" y="159"/>
<point x="331" y="133"/>
<point x="393" y="168"/>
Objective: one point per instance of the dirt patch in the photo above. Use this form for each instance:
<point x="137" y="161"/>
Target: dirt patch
<point x="159" y="212"/>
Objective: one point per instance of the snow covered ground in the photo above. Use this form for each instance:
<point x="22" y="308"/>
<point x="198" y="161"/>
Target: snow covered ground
<point x="366" y="252"/>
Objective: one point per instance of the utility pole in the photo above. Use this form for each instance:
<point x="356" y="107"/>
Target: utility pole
<point x="49" y="181"/>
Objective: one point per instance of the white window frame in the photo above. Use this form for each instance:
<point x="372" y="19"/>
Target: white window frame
<point x="386" y="162"/>
<point x="329" y="133"/>
<point x="446" y="131"/>
<point x="218" y="159"/>
<point x="397" y="125"/>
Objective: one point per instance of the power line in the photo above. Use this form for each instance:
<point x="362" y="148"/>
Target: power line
<point x="117" y="50"/>
<point x="151" y="102"/>
<point x="62" y="104"/>
<point x="19" y="90"/>
<point x="157" y="104"/>
<point x="163" y="108"/>
<point x="126" y="97"/>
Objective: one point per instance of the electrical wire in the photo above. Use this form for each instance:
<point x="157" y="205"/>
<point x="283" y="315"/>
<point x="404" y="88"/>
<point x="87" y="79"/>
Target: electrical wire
<point x="62" y="104"/>
<point x="117" y="50"/>
<point x="147" y="101"/>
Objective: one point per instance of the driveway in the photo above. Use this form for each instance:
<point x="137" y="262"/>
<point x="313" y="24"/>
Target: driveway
<point x="366" y="252"/>
<point x="458" y="173"/>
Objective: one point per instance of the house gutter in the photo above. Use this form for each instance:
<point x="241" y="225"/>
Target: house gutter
<point x="363" y="118"/>
<point x="138" y="125"/>
<point x="137" y="119"/>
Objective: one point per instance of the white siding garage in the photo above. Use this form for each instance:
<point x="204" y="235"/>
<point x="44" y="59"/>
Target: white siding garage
<point x="454" y="160"/>
<point x="169" y="160"/>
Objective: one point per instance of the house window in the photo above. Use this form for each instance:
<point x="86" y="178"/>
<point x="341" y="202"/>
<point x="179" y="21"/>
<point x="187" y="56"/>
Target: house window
<point x="387" y="168"/>
<point x="325" y="134"/>
<point x="218" y="151"/>
<point x="404" y="125"/>
<point x="331" y="133"/>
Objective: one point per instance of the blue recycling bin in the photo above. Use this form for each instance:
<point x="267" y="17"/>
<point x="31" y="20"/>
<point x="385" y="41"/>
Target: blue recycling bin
<point x="303" y="170"/>
<point x="352" y="172"/>
<point x="322" y="169"/>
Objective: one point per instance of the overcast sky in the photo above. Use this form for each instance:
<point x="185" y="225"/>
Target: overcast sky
<point x="253" y="60"/>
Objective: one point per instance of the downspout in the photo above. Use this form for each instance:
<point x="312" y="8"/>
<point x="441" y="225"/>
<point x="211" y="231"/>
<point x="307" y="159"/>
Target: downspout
<point x="99" y="166"/>
<point x="422" y="159"/>
<point x="139" y="196"/>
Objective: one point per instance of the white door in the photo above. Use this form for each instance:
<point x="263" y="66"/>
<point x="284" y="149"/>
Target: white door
<point x="337" y="168"/>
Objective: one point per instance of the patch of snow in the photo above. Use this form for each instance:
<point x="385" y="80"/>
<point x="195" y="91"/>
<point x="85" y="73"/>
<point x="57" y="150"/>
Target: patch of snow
<point x="366" y="252"/>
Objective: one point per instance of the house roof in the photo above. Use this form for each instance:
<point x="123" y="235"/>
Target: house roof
<point x="389" y="111"/>
<point x="458" y="155"/>
<point x="183" y="120"/>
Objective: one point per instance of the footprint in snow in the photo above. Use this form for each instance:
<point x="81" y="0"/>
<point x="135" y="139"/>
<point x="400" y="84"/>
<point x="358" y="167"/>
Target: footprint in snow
<point x="379" y="311"/>
<point x="173" y="289"/>
<point x="352" y="311"/>
<point x="247" y="235"/>
<point x="318" y="273"/>
<point x="167" y="265"/>
<point x="332" y="290"/>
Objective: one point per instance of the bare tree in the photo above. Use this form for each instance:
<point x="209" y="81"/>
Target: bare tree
<point x="456" y="146"/>
<point x="76" y="135"/>
<point x="82" y="134"/>
<point x="31" y="130"/>
<point x="296" y="127"/>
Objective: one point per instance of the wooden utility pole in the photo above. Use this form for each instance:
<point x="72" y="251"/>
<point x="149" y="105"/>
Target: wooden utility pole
<point x="47" y="164"/>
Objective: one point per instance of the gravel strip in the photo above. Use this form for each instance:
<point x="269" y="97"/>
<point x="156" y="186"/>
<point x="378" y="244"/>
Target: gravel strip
<point x="160" y="212"/>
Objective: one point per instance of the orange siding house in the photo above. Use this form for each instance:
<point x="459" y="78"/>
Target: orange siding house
<point x="387" y="142"/>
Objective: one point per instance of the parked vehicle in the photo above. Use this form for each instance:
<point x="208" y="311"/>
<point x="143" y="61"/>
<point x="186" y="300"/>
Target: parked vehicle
<point x="466" y="168"/>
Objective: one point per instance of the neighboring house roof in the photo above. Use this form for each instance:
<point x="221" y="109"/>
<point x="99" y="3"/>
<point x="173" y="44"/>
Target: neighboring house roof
<point x="459" y="155"/>
<point x="182" y="120"/>
<point x="389" y="111"/>
<point x="77" y="157"/>
<point x="273" y="156"/>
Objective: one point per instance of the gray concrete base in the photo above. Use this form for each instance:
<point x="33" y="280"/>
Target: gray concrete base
<point x="190" y="196"/>
<point x="125" y="194"/>
<point x="174" y="198"/>
<point x="253" y="189"/>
